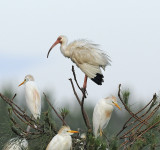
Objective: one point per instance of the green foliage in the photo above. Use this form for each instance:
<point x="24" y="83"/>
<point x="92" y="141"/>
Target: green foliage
<point x="64" y="112"/>
<point x="148" y="141"/>
<point x="5" y="129"/>
<point x="51" y="124"/>
<point x="154" y="120"/>
<point x="126" y="94"/>
<point x="114" y="143"/>
<point x="95" y="143"/>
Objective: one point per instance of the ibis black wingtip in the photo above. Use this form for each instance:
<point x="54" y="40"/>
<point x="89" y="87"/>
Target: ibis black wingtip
<point x="98" y="79"/>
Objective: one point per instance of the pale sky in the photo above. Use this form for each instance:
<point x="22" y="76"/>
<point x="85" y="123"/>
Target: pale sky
<point x="127" y="30"/>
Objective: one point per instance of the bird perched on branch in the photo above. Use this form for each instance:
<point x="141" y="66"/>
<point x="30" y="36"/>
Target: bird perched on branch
<point x="16" y="144"/>
<point x="86" y="55"/>
<point x="32" y="95"/>
<point x="63" y="140"/>
<point x="102" y="114"/>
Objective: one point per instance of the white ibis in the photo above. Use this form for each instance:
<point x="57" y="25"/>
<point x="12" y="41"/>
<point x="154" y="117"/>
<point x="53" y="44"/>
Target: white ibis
<point x="102" y="114"/>
<point x="63" y="140"/>
<point x="16" y="144"/>
<point x="32" y="95"/>
<point x="86" y="55"/>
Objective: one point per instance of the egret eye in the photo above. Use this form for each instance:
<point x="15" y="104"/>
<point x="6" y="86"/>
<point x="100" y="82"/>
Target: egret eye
<point x="113" y="102"/>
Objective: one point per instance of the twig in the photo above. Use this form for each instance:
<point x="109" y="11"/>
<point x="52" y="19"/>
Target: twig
<point x="85" y="116"/>
<point x="75" y="79"/>
<point x="74" y="75"/>
<point x="81" y="102"/>
<point x="64" y="123"/>
<point x="144" y="132"/>
<point x="141" y="125"/>
<point x="126" y="123"/>
<point x="75" y="93"/>
<point x="20" y="113"/>
<point x="130" y="112"/>
<point x="130" y="136"/>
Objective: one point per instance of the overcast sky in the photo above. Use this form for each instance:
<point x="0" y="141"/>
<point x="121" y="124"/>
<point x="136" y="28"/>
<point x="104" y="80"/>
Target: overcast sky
<point x="127" y="30"/>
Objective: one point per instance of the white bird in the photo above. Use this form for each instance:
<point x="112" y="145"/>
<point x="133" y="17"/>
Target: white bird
<point x="63" y="140"/>
<point x="86" y="55"/>
<point x="16" y="144"/>
<point x="102" y="114"/>
<point x="32" y="95"/>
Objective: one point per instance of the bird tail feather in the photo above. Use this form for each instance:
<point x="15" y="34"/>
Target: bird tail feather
<point x="93" y="72"/>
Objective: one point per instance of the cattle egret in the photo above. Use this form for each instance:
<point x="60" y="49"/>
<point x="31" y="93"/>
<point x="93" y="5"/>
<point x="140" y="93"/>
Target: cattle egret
<point x="63" y="140"/>
<point x="102" y="114"/>
<point x="16" y="144"/>
<point x="86" y="55"/>
<point x="32" y="95"/>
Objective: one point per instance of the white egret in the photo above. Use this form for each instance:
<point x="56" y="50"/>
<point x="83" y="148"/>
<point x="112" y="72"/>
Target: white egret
<point x="63" y="140"/>
<point x="16" y="144"/>
<point x="102" y="114"/>
<point x="86" y="55"/>
<point x="32" y="95"/>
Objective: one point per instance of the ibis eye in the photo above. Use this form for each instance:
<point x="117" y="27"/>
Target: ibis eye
<point x="59" y="38"/>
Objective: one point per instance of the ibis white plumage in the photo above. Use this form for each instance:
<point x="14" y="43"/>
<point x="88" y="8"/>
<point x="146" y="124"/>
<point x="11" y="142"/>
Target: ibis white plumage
<point x="63" y="140"/>
<point x="102" y="114"/>
<point x="86" y="55"/>
<point x="32" y="95"/>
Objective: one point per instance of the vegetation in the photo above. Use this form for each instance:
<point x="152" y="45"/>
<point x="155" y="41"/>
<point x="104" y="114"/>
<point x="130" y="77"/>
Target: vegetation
<point x="132" y="130"/>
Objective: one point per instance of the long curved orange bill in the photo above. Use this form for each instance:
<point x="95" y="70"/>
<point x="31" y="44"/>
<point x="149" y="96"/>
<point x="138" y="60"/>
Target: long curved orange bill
<point x="21" y="83"/>
<point x="71" y="131"/>
<point x="56" y="42"/>
<point x="117" y="106"/>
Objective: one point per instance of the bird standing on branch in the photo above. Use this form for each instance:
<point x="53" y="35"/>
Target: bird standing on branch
<point x="86" y="55"/>
<point x="102" y="114"/>
<point x="32" y="95"/>
<point x="63" y="140"/>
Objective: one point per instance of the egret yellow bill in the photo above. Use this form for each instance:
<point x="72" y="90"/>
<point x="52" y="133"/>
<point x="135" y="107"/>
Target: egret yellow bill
<point x="32" y="96"/>
<point x="63" y="140"/>
<point x="102" y="114"/>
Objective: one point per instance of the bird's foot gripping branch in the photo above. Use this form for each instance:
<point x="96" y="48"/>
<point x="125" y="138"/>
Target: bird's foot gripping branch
<point x="80" y="101"/>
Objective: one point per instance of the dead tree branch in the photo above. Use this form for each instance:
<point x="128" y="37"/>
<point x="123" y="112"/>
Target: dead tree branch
<point x="126" y="107"/>
<point x="64" y="123"/>
<point x="136" y="126"/>
<point x="21" y="115"/>
<point x="81" y="102"/>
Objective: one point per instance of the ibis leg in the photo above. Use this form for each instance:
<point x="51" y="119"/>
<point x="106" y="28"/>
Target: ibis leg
<point x="85" y="82"/>
<point x="101" y="132"/>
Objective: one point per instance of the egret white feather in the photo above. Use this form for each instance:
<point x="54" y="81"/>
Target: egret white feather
<point x="102" y="114"/>
<point x="32" y="96"/>
<point x="63" y="140"/>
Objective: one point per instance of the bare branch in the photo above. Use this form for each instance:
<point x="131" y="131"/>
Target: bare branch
<point x="134" y="130"/>
<point x="81" y="102"/>
<point x="126" y="107"/>
<point x="64" y="123"/>
<point x="75" y="79"/>
<point x="131" y="123"/>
